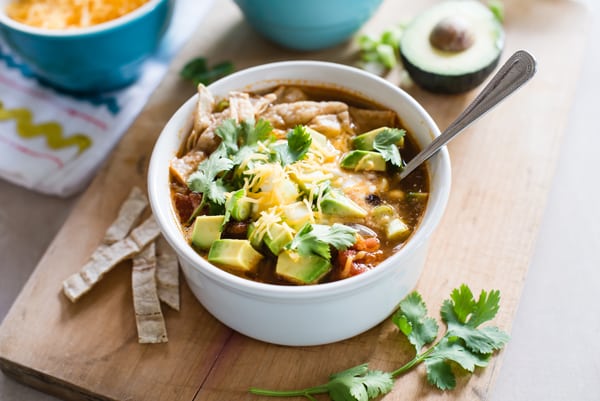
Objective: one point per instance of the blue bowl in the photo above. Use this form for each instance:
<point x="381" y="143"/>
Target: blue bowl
<point x="98" y="58"/>
<point x="307" y="24"/>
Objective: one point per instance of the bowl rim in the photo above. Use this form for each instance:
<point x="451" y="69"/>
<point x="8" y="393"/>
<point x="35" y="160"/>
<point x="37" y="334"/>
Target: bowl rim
<point x="137" y="13"/>
<point x="165" y="215"/>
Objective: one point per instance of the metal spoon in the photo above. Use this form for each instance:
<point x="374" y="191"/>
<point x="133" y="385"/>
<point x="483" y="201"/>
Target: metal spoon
<point x="517" y="70"/>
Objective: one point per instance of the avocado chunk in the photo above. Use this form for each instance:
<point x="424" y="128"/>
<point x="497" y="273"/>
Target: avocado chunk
<point x="237" y="254"/>
<point x="206" y="230"/>
<point x="358" y="160"/>
<point x="301" y="269"/>
<point x="365" y="141"/>
<point x="397" y="230"/>
<point x="334" y="202"/>
<point x="453" y="46"/>
<point x="279" y="237"/>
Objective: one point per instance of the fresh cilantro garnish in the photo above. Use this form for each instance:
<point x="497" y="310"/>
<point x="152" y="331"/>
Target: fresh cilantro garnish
<point x="464" y="343"/>
<point x="355" y="384"/>
<point x="385" y="143"/>
<point x="198" y="71"/>
<point x="298" y="143"/>
<point x="316" y="239"/>
<point x="206" y="181"/>
<point x="252" y="132"/>
<point x="229" y="132"/>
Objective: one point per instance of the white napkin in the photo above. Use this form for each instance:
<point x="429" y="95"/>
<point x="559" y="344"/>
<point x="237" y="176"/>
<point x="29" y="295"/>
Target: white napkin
<point x="53" y="143"/>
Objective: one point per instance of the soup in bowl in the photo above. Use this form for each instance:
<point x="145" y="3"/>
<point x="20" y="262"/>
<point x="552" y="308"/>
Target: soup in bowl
<point x="278" y="188"/>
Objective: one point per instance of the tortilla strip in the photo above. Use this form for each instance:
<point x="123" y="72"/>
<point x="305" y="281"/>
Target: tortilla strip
<point x="148" y="316"/>
<point x="167" y="273"/>
<point x="129" y="215"/>
<point x="107" y="257"/>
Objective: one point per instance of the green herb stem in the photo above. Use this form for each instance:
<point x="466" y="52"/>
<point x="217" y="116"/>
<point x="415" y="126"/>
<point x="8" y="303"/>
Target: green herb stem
<point x="307" y="392"/>
<point x="412" y="363"/>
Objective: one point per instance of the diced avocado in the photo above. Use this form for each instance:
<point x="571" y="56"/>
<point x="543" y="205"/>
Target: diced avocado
<point x="207" y="229"/>
<point x="358" y="160"/>
<point x="334" y="202"/>
<point x="237" y="254"/>
<point x="280" y="236"/>
<point x="365" y="141"/>
<point x="301" y="269"/>
<point x="239" y="206"/>
<point x="397" y="230"/>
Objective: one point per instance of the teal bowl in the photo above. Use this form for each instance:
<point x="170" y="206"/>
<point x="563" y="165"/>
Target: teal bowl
<point x="99" y="58"/>
<point x="307" y="24"/>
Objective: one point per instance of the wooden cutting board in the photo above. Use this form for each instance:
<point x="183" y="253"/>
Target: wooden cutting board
<point x="502" y="170"/>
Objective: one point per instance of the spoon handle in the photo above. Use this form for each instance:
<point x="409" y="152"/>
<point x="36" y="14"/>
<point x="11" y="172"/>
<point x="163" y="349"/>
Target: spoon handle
<point x="517" y="70"/>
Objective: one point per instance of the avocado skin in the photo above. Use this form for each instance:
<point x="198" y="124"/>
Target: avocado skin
<point x="448" y="84"/>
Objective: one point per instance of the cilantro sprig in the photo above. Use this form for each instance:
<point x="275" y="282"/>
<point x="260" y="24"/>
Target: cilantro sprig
<point x="198" y="71"/>
<point x="464" y="343"/>
<point x="316" y="239"/>
<point x="385" y="143"/>
<point x="296" y="147"/>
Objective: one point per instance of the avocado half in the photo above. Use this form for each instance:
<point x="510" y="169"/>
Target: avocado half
<point x="452" y="71"/>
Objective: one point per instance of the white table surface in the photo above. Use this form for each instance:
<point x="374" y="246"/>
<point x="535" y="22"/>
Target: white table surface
<point x="562" y="362"/>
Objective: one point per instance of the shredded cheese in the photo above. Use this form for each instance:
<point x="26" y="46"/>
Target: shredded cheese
<point x="65" y="14"/>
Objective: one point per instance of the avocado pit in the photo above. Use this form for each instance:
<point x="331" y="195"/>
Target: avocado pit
<point x="452" y="34"/>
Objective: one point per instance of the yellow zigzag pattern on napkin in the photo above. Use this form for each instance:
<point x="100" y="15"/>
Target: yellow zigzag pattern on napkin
<point x="51" y="130"/>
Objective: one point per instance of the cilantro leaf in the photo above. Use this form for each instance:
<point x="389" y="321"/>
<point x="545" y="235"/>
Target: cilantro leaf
<point x="298" y="143"/>
<point x="198" y="71"/>
<point x="439" y="373"/>
<point x="228" y="131"/>
<point x="411" y="318"/>
<point x="385" y="143"/>
<point x="359" y="384"/>
<point x="307" y="243"/>
<point x="205" y="180"/>
<point x="317" y="238"/>
<point x="255" y="132"/>
<point x="456" y="351"/>
<point x="464" y="315"/>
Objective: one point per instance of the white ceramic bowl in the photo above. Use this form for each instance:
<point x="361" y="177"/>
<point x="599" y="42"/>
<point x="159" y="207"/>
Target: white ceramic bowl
<point x="316" y="314"/>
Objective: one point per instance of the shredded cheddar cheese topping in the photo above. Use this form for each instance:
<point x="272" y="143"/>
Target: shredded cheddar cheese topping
<point x="65" y="14"/>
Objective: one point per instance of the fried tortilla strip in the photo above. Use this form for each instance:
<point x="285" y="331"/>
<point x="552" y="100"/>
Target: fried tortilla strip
<point x="129" y="215"/>
<point x="148" y="316"/>
<point x="167" y="273"/>
<point x="108" y="257"/>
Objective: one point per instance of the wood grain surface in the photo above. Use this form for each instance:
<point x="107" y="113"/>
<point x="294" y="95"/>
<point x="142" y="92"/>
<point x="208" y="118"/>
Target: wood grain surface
<point x="502" y="170"/>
